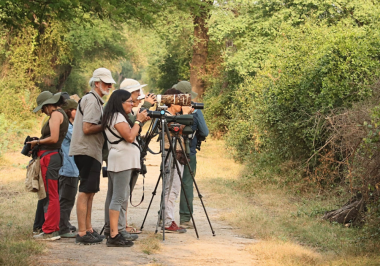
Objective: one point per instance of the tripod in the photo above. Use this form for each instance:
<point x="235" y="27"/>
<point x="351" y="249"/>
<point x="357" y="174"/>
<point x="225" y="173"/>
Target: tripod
<point x="165" y="173"/>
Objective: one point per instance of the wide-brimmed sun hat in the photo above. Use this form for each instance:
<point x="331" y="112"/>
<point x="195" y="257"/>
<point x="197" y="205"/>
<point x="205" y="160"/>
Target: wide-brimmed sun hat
<point x="46" y="97"/>
<point x="102" y="74"/>
<point x="185" y="87"/>
<point x="132" y="85"/>
<point x="70" y="104"/>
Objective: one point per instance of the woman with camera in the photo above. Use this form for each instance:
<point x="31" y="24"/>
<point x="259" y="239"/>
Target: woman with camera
<point x="123" y="159"/>
<point x="49" y="150"/>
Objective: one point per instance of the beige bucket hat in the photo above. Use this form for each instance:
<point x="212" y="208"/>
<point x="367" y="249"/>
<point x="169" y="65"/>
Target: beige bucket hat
<point x="46" y="97"/>
<point x="132" y="85"/>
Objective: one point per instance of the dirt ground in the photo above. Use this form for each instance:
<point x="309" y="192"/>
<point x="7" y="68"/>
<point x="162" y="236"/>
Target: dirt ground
<point x="226" y="248"/>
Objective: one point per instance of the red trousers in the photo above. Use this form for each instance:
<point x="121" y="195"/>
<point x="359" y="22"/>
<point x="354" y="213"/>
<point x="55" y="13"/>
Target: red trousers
<point x="50" y="165"/>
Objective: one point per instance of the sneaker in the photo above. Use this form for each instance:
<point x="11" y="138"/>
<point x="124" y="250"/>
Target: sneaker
<point x="37" y="231"/>
<point x="128" y="236"/>
<point x="72" y="228"/>
<point x="47" y="237"/>
<point x="187" y="225"/>
<point x="87" y="239"/>
<point x="95" y="234"/>
<point x="68" y="235"/>
<point x="173" y="228"/>
<point x="118" y="241"/>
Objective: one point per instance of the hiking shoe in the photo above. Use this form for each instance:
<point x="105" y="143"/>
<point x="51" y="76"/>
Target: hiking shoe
<point x="187" y="225"/>
<point x="128" y="236"/>
<point x="95" y="234"/>
<point x="87" y="239"/>
<point x="118" y="241"/>
<point x="68" y="235"/>
<point x="174" y="228"/>
<point x="72" y="228"/>
<point x="47" y="237"/>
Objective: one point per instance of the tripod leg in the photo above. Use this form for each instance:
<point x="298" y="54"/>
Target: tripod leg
<point x="150" y="203"/>
<point x="199" y="194"/>
<point x="180" y="178"/>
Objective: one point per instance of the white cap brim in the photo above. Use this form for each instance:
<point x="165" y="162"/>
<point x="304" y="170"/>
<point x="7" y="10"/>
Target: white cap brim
<point x="107" y="80"/>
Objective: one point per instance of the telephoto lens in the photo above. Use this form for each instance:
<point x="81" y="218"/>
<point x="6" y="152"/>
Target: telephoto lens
<point x="197" y="105"/>
<point x="178" y="99"/>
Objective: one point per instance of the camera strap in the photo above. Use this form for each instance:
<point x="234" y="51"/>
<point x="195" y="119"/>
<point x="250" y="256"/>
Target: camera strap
<point x="142" y="198"/>
<point x="100" y="104"/>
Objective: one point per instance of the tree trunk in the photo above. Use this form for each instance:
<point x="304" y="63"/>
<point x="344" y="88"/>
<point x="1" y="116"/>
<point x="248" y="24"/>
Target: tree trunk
<point x="65" y="72"/>
<point x="200" y="50"/>
<point x="350" y="213"/>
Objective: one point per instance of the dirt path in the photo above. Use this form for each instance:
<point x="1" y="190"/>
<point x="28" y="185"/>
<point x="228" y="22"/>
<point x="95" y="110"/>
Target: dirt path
<point x="225" y="248"/>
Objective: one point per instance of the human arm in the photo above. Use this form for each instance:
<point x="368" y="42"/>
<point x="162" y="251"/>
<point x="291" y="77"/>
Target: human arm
<point x="91" y="116"/>
<point x="89" y="128"/>
<point x="130" y="133"/>
<point x="55" y="121"/>
<point x="200" y="124"/>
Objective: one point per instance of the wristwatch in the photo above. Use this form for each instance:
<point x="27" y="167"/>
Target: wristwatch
<point x="138" y="122"/>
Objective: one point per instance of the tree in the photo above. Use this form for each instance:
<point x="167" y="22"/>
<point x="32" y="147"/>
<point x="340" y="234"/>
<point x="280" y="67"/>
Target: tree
<point x="200" y="47"/>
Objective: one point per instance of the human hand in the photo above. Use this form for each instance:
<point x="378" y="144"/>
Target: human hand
<point x="151" y="98"/>
<point x="142" y="116"/>
<point x="186" y="110"/>
<point x="33" y="143"/>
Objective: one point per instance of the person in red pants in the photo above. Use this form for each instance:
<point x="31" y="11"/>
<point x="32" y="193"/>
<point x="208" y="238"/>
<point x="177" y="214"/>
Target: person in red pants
<point x="49" y="151"/>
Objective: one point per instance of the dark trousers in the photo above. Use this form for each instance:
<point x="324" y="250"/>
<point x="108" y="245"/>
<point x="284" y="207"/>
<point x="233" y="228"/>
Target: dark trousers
<point x="68" y="187"/>
<point x="39" y="219"/>
<point x="187" y="181"/>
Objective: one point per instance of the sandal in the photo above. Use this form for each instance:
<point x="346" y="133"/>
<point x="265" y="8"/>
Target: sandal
<point x="132" y="230"/>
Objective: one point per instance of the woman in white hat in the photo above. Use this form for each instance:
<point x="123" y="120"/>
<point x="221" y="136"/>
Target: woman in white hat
<point x="135" y="88"/>
<point x="49" y="146"/>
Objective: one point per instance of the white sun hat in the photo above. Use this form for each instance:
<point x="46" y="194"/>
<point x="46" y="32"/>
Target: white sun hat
<point x="132" y="85"/>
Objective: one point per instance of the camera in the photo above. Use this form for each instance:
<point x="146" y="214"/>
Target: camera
<point x="27" y="146"/>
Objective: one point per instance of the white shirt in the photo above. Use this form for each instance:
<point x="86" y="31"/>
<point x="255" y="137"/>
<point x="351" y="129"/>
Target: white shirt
<point x="122" y="156"/>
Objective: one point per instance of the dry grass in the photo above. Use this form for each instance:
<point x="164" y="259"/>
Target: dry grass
<point x="17" y="208"/>
<point x="273" y="253"/>
<point x="289" y="226"/>
<point x="151" y="244"/>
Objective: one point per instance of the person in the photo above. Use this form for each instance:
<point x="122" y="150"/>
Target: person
<point x="86" y="147"/>
<point x="68" y="176"/>
<point x="49" y="145"/>
<point x="40" y="216"/>
<point x="123" y="159"/>
<point x="173" y="182"/>
<point x="135" y="88"/>
<point x="200" y="128"/>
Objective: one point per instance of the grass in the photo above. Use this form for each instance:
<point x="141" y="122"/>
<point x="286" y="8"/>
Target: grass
<point x="17" y="208"/>
<point x="288" y="223"/>
<point x="151" y="244"/>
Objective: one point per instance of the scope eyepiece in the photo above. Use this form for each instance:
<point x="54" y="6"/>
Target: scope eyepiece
<point x="197" y="105"/>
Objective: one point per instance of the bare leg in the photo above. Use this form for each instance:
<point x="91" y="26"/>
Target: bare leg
<point x="114" y="219"/>
<point x="89" y="211"/>
<point x="82" y="203"/>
